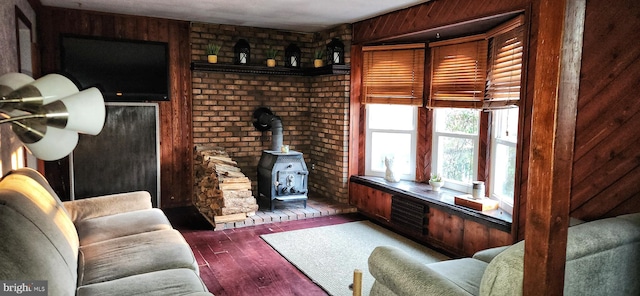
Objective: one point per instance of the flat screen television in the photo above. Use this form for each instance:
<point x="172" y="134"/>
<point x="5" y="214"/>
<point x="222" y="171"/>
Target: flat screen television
<point x="123" y="70"/>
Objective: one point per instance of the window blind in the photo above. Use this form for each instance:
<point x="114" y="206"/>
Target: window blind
<point x="393" y="74"/>
<point x="458" y="73"/>
<point x="505" y="70"/>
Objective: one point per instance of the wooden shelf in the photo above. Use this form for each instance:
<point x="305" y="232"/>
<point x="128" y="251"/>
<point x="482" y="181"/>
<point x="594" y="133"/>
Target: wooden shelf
<point x="253" y="69"/>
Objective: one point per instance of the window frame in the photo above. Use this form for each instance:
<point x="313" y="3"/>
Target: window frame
<point x="435" y="139"/>
<point x="413" y="149"/>
<point x="505" y="203"/>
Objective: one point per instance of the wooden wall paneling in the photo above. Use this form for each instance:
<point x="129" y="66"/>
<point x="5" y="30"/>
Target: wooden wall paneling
<point x="423" y="155"/>
<point x="498" y="238"/>
<point x="524" y="132"/>
<point x="385" y="205"/>
<point x="381" y="202"/>
<point x="435" y="226"/>
<point x="432" y="14"/>
<point x="476" y="237"/>
<point x="605" y="201"/>
<point x="606" y="163"/>
<point x="607" y="121"/>
<point x="368" y="201"/>
<point x="175" y="115"/>
<point x="425" y="128"/>
<point x="623" y="208"/>
<point x="355" y="114"/>
<point x="355" y="194"/>
<point x="484" y="152"/>
<point x="617" y="102"/>
<point x="446" y="229"/>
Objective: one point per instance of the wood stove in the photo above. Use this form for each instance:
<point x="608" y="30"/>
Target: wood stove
<point x="282" y="174"/>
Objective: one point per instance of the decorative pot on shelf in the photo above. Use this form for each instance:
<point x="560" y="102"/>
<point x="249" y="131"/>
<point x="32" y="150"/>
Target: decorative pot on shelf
<point x="212" y="53"/>
<point x="318" y="63"/>
<point x="271" y="63"/>
<point x="435" y="186"/>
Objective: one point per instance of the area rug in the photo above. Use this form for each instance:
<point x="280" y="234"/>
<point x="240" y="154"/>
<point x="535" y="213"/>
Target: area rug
<point x="329" y="254"/>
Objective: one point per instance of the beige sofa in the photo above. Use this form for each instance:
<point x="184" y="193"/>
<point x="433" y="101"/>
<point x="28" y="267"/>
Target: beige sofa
<point x="603" y="258"/>
<point x="109" y="245"/>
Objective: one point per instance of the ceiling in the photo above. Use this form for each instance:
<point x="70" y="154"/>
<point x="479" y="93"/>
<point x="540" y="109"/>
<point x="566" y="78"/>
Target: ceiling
<point x="290" y="15"/>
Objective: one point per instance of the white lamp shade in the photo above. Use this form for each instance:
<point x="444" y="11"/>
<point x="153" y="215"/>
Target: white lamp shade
<point x="86" y="111"/>
<point x="56" y="143"/>
<point x="14" y="81"/>
<point x="53" y="87"/>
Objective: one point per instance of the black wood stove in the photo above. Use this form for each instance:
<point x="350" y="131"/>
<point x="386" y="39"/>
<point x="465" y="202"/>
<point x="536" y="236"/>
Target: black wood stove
<point x="282" y="174"/>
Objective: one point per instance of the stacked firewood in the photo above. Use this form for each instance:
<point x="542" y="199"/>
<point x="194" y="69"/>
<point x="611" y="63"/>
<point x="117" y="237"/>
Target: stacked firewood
<point x="222" y="193"/>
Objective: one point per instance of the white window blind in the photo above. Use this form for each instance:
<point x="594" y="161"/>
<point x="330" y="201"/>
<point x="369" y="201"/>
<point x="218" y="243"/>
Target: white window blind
<point x="393" y="74"/>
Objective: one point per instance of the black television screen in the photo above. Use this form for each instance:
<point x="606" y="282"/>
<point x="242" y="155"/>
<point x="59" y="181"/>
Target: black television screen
<point x="124" y="70"/>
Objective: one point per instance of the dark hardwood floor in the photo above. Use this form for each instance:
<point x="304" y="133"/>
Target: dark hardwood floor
<point x="238" y="262"/>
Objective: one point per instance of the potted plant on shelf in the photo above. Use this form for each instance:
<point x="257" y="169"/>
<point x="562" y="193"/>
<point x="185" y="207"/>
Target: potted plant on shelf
<point x="318" y="61"/>
<point x="271" y="57"/>
<point x="436" y="182"/>
<point x="212" y="52"/>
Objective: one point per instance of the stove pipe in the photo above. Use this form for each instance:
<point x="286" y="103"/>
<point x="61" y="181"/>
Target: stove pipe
<point x="263" y="120"/>
<point x="276" y="133"/>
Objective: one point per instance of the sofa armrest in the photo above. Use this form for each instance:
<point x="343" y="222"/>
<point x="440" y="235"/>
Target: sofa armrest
<point x="488" y="254"/>
<point x="87" y="208"/>
<point x="401" y="274"/>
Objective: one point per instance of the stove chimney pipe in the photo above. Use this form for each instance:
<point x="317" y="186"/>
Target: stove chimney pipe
<point x="263" y="120"/>
<point x="276" y="133"/>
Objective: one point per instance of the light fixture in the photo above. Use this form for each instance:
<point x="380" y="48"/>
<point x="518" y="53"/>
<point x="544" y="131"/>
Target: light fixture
<point x="335" y="52"/>
<point x="47" y="114"/>
<point x="242" y="51"/>
<point x="292" y="56"/>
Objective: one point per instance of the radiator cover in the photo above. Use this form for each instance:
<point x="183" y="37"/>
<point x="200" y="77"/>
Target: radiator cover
<point x="409" y="214"/>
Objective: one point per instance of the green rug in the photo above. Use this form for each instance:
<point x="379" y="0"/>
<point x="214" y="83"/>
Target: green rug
<point x="329" y="254"/>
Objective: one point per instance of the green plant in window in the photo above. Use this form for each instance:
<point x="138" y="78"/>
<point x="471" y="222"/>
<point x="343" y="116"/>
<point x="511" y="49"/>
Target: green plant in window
<point x="435" y="177"/>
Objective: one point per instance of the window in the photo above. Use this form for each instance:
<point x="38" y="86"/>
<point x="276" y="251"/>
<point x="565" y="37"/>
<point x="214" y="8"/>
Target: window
<point x="391" y="132"/>
<point x="457" y="98"/>
<point x="392" y="89"/>
<point x="455" y="146"/>
<point x="503" y="153"/>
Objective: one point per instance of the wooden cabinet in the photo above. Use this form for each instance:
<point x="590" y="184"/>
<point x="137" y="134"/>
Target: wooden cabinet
<point x="374" y="203"/>
<point x="458" y="232"/>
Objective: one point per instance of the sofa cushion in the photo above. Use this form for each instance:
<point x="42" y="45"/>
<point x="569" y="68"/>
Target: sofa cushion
<point x="165" y="282"/>
<point x="603" y="258"/>
<point x="466" y="272"/>
<point x="38" y="237"/>
<point x="105" y="205"/>
<point x="26" y="253"/>
<point x="503" y="276"/>
<point x="134" y="254"/>
<point x="119" y="225"/>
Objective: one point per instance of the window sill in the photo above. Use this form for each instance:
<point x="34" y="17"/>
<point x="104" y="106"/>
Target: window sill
<point x="444" y="199"/>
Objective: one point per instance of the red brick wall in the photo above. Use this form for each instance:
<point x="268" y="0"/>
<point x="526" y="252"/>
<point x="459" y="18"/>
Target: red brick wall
<point x="314" y="110"/>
